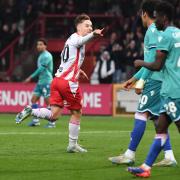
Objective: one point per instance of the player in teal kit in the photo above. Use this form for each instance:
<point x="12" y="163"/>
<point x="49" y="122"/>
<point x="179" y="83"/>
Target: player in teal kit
<point x="167" y="59"/>
<point x="44" y="74"/>
<point x="150" y="82"/>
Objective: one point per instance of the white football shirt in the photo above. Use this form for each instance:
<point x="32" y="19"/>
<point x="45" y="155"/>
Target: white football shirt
<point x="72" y="56"/>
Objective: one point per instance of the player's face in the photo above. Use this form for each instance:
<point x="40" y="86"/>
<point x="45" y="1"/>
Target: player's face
<point x="85" y="27"/>
<point x="160" y="22"/>
<point x="40" y="46"/>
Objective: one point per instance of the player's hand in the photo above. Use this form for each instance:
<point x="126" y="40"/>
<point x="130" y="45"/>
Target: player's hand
<point x="27" y="80"/>
<point x="127" y="85"/>
<point x="138" y="91"/>
<point x="138" y="63"/>
<point x="82" y="74"/>
<point x="98" y="32"/>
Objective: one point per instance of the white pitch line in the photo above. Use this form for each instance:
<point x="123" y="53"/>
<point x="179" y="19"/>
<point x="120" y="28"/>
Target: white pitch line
<point x="61" y="133"/>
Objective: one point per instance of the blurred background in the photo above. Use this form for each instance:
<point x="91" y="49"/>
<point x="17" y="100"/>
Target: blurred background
<point x="22" y="22"/>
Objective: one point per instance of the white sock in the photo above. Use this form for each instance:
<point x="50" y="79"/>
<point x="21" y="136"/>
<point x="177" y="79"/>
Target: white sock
<point x="42" y="113"/>
<point x="35" y="120"/>
<point x="130" y="154"/>
<point x="169" y="155"/>
<point x="145" y="166"/>
<point x="53" y="123"/>
<point x="74" y="127"/>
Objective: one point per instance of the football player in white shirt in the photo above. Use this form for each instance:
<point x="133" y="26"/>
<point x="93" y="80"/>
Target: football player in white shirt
<point x="65" y="90"/>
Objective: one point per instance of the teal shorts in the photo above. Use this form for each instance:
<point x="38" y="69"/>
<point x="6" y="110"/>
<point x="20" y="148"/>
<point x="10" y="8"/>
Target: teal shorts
<point x="150" y="100"/>
<point x="42" y="90"/>
<point x="171" y="107"/>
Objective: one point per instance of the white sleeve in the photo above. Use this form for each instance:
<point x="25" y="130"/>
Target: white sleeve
<point x="112" y="70"/>
<point x="79" y="41"/>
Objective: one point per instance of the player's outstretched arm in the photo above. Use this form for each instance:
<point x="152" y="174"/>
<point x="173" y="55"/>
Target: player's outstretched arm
<point x="98" y="32"/>
<point x="85" y="39"/>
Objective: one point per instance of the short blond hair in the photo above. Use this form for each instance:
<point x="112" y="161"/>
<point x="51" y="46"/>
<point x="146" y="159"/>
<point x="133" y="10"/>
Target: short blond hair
<point x="80" y="18"/>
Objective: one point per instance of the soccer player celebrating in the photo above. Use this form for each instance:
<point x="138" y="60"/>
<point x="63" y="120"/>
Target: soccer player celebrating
<point x="167" y="59"/>
<point x="65" y="90"/>
<point x="149" y="104"/>
<point x="44" y="74"/>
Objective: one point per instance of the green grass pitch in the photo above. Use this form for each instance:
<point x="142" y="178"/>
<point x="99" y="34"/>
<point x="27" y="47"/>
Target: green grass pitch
<point x="28" y="153"/>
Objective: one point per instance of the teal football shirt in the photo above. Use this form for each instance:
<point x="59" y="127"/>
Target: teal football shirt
<point x="169" y="41"/>
<point x="45" y="68"/>
<point x="150" y="44"/>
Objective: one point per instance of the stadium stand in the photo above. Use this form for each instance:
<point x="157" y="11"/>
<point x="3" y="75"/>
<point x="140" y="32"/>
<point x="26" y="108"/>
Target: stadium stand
<point x="22" y="22"/>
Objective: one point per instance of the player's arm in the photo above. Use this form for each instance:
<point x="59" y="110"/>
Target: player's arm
<point x="81" y="40"/>
<point x="157" y="65"/>
<point x="141" y="81"/>
<point x="82" y="74"/>
<point x="163" y="46"/>
<point x="36" y="73"/>
<point x="131" y="82"/>
<point x="145" y="72"/>
<point x="152" y="45"/>
<point x="138" y="75"/>
<point x="138" y="80"/>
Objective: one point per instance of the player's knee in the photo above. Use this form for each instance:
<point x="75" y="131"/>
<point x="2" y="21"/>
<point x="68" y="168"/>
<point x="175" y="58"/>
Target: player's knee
<point x="76" y="114"/>
<point x="76" y="117"/>
<point x="141" y="116"/>
<point x="33" y="101"/>
<point x="55" y="115"/>
<point x="160" y="130"/>
<point x="55" y="112"/>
